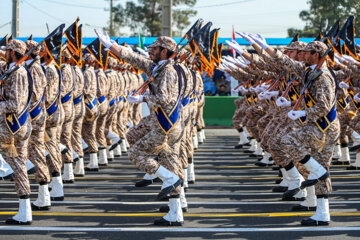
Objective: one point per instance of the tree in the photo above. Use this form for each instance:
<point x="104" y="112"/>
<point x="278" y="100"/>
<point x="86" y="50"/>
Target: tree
<point x="146" y="15"/>
<point x="322" y="10"/>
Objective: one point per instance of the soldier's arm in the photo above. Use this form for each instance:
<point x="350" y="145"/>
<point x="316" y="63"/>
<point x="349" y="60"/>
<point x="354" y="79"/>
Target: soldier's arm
<point x="323" y="95"/>
<point x="137" y="60"/>
<point x="14" y="94"/>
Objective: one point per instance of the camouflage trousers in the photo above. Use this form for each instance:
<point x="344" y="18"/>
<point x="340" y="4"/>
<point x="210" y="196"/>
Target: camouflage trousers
<point x="36" y="150"/>
<point x="77" y="129"/>
<point x="136" y="117"/>
<point x="165" y="146"/>
<point x="120" y="123"/>
<point x="100" y="124"/>
<point x="239" y="113"/>
<point x="89" y="128"/>
<point x="18" y="163"/>
<point x="110" y="116"/>
<point x="345" y="129"/>
<point x="306" y="140"/>
<point x="144" y="127"/>
<point x="185" y="149"/>
<point x="355" y="123"/>
<point x="253" y="114"/>
<point x="53" y="123"/>
<point x="66" y="132"/>
<point x="199" y="118"/>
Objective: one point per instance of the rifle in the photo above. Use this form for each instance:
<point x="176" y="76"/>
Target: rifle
<point x="287" y="90"/>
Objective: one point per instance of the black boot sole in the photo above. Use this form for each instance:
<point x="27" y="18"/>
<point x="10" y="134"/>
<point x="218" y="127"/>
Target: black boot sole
<point x="163" y="222"/>
<point x="91" y="169"/>
<point x="312" y="182"/>
<point x="68" y="181"/>
<point x="166" y="209"/>
<point x="37" y="208"/>
<point x="311" y="222"/>
<point x="301" y="208"/>
<point x="279" y="189"/>
<point x="79" y="175"/>
<point x="11" y="221"/>
<point x="57" y="198"/>
<point x="144" y="182"/>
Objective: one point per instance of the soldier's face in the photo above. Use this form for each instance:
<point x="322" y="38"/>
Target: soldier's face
<point x="292" y="54"/>
<point x="155" y="54"/>
<point x="301" y="55"/>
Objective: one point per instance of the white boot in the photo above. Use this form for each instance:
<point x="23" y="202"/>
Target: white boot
<point x="147" y="180"/>
<point x="68" y="176"/>
<point x="345" y="155"/>
<point x="115" y="140"/>
<point x="246" y="132"/>
<point x="123" y="146"/>
<point x="337" y="152"/>
<point x="195" y="142"/>
<point x="117" y="151"/>
<point x="259" y="151"/>
<point x="321" y="216"/>
<point x="93" y="165"/>
<point x="357" y="161"/>
<point x="103" y="157"/>
<point x="63" y="148"/>
<point x="183" y="201"/>
<point x="243" y="138"/>
<point x="200" y="139"/>
<point x="253" y="145"/>
<point x="316" y="170"/>
<point x="84" y="145"/>
<point x="186" y="184"/>
<point x="355" y="137"/>
<point x="265" y="161"/>
<point x="170" y="181"/>
<point x="175" y="214"/>
<point x="57" y="189"/>
<point x="295" y="180"/>
<point x="203" y="134"/>
<point x="127" y="144"/>
<point x="191" y="173"/>
<point x="43" y="201"/>
<point x="109" y="154"/>
<point x="310" y="200"/>
<point x="24" y="215"/>
<point x="285" y="178"/>
<point x="79" y="168"/>
<point x="5" y="169"/>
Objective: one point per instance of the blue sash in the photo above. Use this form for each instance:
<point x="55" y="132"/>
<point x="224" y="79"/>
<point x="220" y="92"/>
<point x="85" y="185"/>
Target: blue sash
<point x="50" y="110"/>
<point x="344" y="103"/>
<point x="90" y="104"/>
<point x="101" y="99"/>
<point x="16" y="122"/>
<point x="121" y="98"/>
<point x="112" y="102"/>
<point x="185" y="100"/>
<point x="78" y="99"/>
<point x="36" y="110"/>
<point x="168" y="121"/>
<point x="68" y="96"/>
<point x="352" y="94"/>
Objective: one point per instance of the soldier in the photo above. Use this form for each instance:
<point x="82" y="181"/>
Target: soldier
<point x="91" y="114"/>
<point x="164" y="138"/>
<point x="38" y="120"/>
<point x="15" y="128"/>
<point x="65" y="131"/>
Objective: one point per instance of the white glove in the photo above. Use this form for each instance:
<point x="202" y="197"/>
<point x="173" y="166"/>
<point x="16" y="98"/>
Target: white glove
<point x="135" y="99"/>
<point x="349" y="59"/>
<point x="258" y="89"/>
<point x="241" y="64"/>
<point x="282" y="102"/>
<point x="143" y="52"/>
<point x="246" y="37"/>
<point x="260" y="40"/>
<point x="343" y="85"/>
<point x="337" y="62"/>
<point x="243" y="60"/>
<point x="262" y="96"/>
<point x="235" y="46"/>
<point x="243" y="90"/>
<point x="252" y="90"/>
<point x="339" y="58"/>
<point x="357" y="97"/>
<point x="273" y="93"/>
<point x="235" y="90"/>
<point x="296" y="114"/>
<point x="104" y="38"/>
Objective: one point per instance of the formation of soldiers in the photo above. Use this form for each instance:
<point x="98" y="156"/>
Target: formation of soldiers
<point x="303" y="140"/>
<point x="52" y="116"/>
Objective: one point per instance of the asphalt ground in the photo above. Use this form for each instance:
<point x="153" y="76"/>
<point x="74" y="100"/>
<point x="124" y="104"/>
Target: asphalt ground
<point x="231" y="199"/>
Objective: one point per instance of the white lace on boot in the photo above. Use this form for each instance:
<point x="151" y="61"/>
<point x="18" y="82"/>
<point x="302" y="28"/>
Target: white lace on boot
<point x="57" y="189"/>
<point x="24" y="214"/>
<point x="79" y="167"/>
<point x="310" y="200"/>
<point x="43" y="199"/>
<point x="93" y="161"/>
<point x="175" y="213"/>
<point x="103" y="156"/>
<point x="322" y="210"/>
<point x="68" y="172"/>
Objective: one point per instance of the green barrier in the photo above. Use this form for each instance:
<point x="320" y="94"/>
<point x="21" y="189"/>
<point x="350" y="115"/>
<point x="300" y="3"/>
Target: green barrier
<point x="218" y="111"/>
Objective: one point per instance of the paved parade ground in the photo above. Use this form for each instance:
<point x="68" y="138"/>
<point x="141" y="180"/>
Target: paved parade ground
<point x="231" y="199"/>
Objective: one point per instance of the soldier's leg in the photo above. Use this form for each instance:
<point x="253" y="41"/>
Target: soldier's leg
<point x="89" y="136"/>
<point x="67" y="157"/>
<point x="77" y="144"/>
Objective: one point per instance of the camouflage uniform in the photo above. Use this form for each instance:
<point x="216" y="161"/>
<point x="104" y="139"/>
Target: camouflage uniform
<point x="164" y="93"/>
<point x="14" y="98"/>
<point x="36" y="152"/>
<point x="102" y="90"/>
